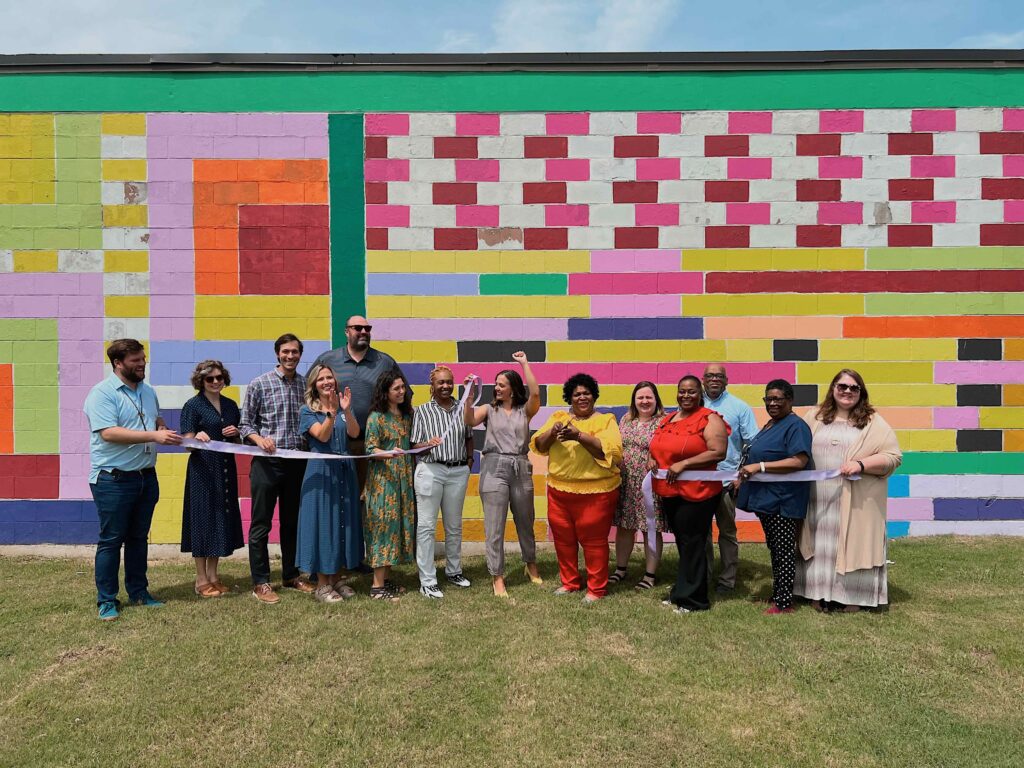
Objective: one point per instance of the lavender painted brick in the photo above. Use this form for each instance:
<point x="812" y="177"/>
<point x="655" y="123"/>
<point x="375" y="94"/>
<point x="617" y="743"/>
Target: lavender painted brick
<point x="236" y="146"/>
<point x="189" y="146"/>
<point x="317" y="146"/>
<point x="169" y="123"/>
<point x="171" y="238"/>
<point x="215" y="123"/>
<point x="174" y="169"/>
<point x="911" y="509"/>
<point x="275" y="147"/>
<point x="260" y="124"/>
<point x="979" y="372"/>
<point x="422" y="284"/>
<point x="299" y="124"/>
<point x="171" y="284"/>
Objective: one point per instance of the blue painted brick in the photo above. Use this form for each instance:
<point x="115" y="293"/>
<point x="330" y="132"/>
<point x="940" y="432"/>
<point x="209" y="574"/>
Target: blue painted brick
<point x="590" y="328"/>
<point x="899" y="486"/>
<point x="225" y="351"/>
<point x="58" y="511"/>
<point x="418" y="373"/>
<point x="897" y="529"/>
<point x="159" y="373"/>
<point x="680" y="328"/>
<point x="172" y="416"/>
<point x="172" y="351"/>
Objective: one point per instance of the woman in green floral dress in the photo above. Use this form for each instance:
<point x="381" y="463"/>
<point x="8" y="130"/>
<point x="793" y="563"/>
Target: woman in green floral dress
<point x="390" y="523"/>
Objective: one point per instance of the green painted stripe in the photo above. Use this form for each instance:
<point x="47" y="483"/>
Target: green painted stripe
<point x="348" y="240"/>
<point x="962" y="464"/>
<point x="484" y="91"/>
<point x="980" y="257"/>
<point x="527" y="284"/>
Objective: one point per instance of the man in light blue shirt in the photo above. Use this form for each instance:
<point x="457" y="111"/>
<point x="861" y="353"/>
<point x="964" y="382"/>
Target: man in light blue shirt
<point x="124" y="422"/>
<point x="740" y="418"/>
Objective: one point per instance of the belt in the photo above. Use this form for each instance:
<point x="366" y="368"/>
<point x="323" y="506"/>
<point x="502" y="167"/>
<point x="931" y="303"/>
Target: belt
<point x="129" y="472"/>
<point x="449" y="464"/>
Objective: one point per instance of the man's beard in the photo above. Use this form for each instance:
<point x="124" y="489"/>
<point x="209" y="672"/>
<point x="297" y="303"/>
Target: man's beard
<point x="132" y="376"/>
<point x="361" y="343"/>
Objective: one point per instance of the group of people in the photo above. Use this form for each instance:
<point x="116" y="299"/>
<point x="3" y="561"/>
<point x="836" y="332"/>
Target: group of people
<point x="339" y="516"/>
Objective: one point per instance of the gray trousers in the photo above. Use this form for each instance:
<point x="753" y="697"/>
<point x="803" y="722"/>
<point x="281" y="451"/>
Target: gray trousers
<point x="725" y="518"/>
<point x="439" y="488"/>
<point x="506" y="481"/>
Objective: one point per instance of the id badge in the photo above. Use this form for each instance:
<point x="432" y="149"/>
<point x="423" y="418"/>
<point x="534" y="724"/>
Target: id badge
<point x="147" y="448"/>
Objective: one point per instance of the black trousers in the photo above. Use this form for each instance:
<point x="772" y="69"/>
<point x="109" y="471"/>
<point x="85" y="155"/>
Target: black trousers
<point x="780" y="536"/>
<point x="274" y="482"/>
<point x="690" y="523"/>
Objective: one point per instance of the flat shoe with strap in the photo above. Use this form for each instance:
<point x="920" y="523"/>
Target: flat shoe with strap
<point x="208" y="590"/>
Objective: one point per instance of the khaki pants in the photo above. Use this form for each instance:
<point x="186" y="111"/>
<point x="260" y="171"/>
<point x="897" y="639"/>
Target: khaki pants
<point x="725" y="517"/>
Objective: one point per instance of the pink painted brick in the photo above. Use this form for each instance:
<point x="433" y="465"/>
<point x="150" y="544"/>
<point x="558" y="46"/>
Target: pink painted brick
<point x="387" y="124"/>
<point x="470" y="124"/>
<point x="750" y="122"/>
<point x="560" y="169"/>
<point x="1013" y="166"/>
<point x="567" y="215"/>
<point x="630" y="373"/>
<point x="633" y="306"/>
<point x="840" y="213"/>
<point x="386" y="170"/>
<point x="748" y="213"/>
<point x="955" y="418"/>
<point x="1013" y="119"/>
<point x="910" y="509"/>
<point x="387" y="215"/>
<point x="659" y="122"/>
<point x="587" y="283"/>
<point x="567" y="123"/>
<point x="841" y="121"/>
<point x="476" y="215"/>
<point x="654" y="260"/>
<point x="681" y="282"/>
<point x="979" y="372"/>
<point x="657" y="168"/>
<point x="750" y="168"/>
<point x="929" y="212"/>
<point x="933" y="120"/>
<point x="932" y="166"/>
<point x="477" y="170"/>
<point x="840" y="167"/>
<point x="1013" y="211"/>
<point x="657" y="215"/>
<point x="739" y="373"/>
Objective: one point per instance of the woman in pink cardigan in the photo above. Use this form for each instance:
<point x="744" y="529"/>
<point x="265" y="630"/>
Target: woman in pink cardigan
<point x="843" y="540"/>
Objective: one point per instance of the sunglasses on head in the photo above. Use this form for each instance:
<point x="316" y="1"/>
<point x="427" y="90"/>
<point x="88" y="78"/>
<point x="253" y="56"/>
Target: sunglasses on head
<point x="852" y="388"/>
<point x="211" y="379"/>
<point x="366" y="328"/>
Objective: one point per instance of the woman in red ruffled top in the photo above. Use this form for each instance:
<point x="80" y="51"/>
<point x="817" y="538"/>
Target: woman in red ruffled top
<point x="692" y="438"/>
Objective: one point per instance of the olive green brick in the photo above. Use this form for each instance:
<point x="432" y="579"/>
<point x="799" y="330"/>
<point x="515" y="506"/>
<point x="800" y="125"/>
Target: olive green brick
<point x="73" y="169"/>
<point x="33" y="351"/>
<point x="43" y="440"/>
<point x="21" y="330"/>
<point x="78" y="125"/>
<point x="943" y="304"/>
<point x="527" y="284"/>
<point x="17" y="238"/>
<point x="57" y="238"/>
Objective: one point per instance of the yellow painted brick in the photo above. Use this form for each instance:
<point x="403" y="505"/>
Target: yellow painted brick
<point x="1001" y="418"/>
<point x="891" y="372"/>
<point x="35" y="261"/>
<point x="318" y="328"/>
<point x="15" y="193"/>
<point x="126" y="261"/>
<point x="389" y="306"/>
<point x="434" y="352"/>
<point x="216" y="306"/>
<point x="388" y="261"/>
<point x="126" y="306"/>
<point x="539" y="261"/>
<point x="842" y="259"/>
<point x="851" y="350"/>
<point x="217" y="329"/>
<point x="16" y="147"/>
<point x="42" y="192"/>
<point x="926" y="439"/>
<point x="429" y="307"/>
<point x="400" y="350"/>
<point x="887" y="349"/>
<point x="432" y="261"/>
<point x="234" y="392"/>
<point x="123" y="124"/>
<point x="420" y="393"/>
<point x="124" y="170"/>
<point x="31" y="124"/>
<point x="907" y="394"/>
<point x="125" y="215"/>
<point x="285" y="307"/>
<point x="564" y="306"/>
<point x="747" y="350"/>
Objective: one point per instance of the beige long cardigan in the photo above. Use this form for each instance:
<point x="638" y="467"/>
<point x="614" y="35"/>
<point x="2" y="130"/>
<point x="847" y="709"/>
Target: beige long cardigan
<point x="863" y="502"/>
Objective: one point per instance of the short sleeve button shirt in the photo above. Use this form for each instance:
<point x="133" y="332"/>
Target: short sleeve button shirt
<point x="112" y="403"/>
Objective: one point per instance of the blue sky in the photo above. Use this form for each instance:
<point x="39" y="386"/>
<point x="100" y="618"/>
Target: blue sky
<point x="437" y="26"/>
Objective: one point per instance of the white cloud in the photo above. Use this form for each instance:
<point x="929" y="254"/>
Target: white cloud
<point x="992" y="40"/>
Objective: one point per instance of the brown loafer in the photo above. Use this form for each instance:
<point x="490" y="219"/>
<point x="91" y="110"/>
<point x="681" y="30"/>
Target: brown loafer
<point x="208" y="590"/>
<point x="299" y="584"/>
<point x="265" y="594"/>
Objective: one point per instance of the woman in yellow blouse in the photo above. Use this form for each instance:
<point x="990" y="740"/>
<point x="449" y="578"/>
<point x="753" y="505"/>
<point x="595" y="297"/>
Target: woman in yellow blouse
<point x="584" y="450"/>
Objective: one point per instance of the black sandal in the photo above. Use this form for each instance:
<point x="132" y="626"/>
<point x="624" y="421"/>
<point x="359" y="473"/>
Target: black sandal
<point x="393" y="588"/>
<point x="383" y="593"/>
<point x="647" y="582"/>
<point x="619" y="575"/>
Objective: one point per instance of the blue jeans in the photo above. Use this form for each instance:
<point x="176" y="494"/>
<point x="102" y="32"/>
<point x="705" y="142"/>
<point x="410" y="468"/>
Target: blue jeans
<point x="125" y="505"/>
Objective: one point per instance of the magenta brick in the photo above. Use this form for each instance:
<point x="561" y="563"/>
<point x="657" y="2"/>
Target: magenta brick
<point x="841" y="121"/>
<point x="658" y="122"/>
<point x="386" y="170"/>
<point x="932" y="166"/>
<point x="750" y="168"/>
<point x="634" y="261"/>
<point x="1013" y="166"/>
<point x="559" y="169"/>
<point x="657" y="215"/>
<point x="386" y="124"/>
<point x="979" y="372"/>
<point x="1013" y="211"/>
<point x="748" y="213"/>
<point x="933" y="120"/>
<point x="635" y="306"/>
<point x="929" y="212"/>
<point x="657" y="168"/>
<point x="840" y="213"/>
<point x="567" y="123"/>
<point x="1013" y="119"/>
<point x="470" y="124"/>
<point x="955" y="418"/>
<point x="387" y="215"/>
<point x="750" y="122"/>
<point x="840" y="167"/>
<point x="566" y="215"/>
<point x="477" y="170"/>
<point x="476" y="215"/>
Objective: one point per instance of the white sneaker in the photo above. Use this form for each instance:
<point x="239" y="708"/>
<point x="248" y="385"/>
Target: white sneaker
<point x="458" y="580"/>
<point x="432" y="592"/>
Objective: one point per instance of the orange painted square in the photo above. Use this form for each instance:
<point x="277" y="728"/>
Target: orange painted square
<point x="214" y="170"/>
<point x="1013" y="440"/>
<point x="1013" y="349"/>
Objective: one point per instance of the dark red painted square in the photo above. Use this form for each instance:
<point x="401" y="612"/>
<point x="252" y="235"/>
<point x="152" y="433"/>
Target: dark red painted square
<point x="910" y="235"/>
<point x="634" y="192"/>
<point x="819" y="190"/>
<point x="376" y="192"/>
<point x="1010" y="143"/>
<point x="377" y="239"/>
<point x="1002" y="189"/>
<point x="545" y="146"/>
<point x="910" y="143"/>
<point x="912" y="189"/>
<point x="546" y="238"/>
<point x="726" y="146"/>
<point x="727" y="237"/>
<point x="455" y="239"/>
<point x="819" y="236"/>
<point x="819" y="144"/>
<point x="376" y="146"/>
<point x="636" y="146"/>
<point x="636" y="237"/>
<point x="295" y="236"/>
<point x="455" y="146"/>
<point x="543" y="192"/>
<point x="726" y="191"/>
<point x="1002" y="234"/>
<point x="453" y="193"/>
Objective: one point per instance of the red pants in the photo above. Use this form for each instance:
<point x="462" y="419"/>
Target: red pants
<point x="582" y="519"/>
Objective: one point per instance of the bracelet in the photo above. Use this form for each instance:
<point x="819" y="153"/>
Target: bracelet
<point x="861" y="465"/>
<point x="762" y="467"/>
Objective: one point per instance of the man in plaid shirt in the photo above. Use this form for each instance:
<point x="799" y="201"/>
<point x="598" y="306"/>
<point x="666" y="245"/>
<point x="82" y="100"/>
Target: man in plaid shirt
<point x="270" y="420"/>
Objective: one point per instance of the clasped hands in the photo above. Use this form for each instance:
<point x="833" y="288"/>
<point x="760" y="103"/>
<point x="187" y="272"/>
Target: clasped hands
<point x="565" y="433"/>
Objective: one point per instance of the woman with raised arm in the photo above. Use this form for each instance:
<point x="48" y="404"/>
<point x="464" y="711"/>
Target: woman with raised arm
<point x="506" y="477"/>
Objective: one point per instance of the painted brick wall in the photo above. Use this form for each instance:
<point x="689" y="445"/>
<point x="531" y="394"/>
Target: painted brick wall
<point x="629" y="244"/>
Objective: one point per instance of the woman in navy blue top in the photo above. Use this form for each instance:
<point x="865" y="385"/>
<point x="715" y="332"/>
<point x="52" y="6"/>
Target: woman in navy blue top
<point x="781" y="447"/>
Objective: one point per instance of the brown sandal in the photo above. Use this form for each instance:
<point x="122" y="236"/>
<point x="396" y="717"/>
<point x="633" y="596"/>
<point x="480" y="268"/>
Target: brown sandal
<point x="208" y="590"/>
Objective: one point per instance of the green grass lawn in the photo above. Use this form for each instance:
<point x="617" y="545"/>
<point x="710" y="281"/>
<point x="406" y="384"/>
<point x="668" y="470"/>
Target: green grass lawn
<point x="938" y="680"/>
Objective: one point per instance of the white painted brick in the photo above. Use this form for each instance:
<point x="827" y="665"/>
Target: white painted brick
<point x="432" y="170"/>
<point x="772" y="145"/>
<point x="878" y="213"/>
<point x="979" y="166"/>
<point x="796" y="121"/>
<point x="958" y="234"/>
<point x="773" y="236"/>
<point x="79" y="261"/>
<point x="170" y="396"/>
<point x="984" y="119"/>
<point x="613" y="123"/>
<point x="6" y="261"/>
<point x="957" y="189"/>
<point x="111" y="147"/>
<point x="114" y="284"/>
<point x="112" y="192"/>
<point x="591" y="146"/>
<point x="134" y="146"/>
<point x="136" y="283"/>
<point x="125" y="239"/>
<point x="702" y="214"/>
<point x="864" y="236"/>
<point x="681" y="237"/>
<point x="588" y="192"/>
<point x="959" y="143"/>
<point x="772" y="190"/>
<point x="864" y="190"/>
<point x="705" y="123"/>
<point x="586" y="238"/>
<point x="410" y="193"/>
<point x="794" y="213"/>
<point x="523" y="124"/>
<point x="431" y="124"/>
<point x="864" y="144"/>
<point x="137" y="328"/>
<point x="403" y="147"/>
<point x="613" y="215"/>
<point x="685" y="145"/>
<point x="886" y="167"/>
<point x="522" y="170"/>
<point x="500" y="146"/>
<point x="117" y="328"/>
<point x="522" y="216"/>
<point x="886" y="120"/>
<point x="431" y="216"/>
<point x="684" y="191"/>
<point x="499" y="193"/>
<point x="704" y="168"/>
<point x="794" y="168"/>
<point x="613" y="169"/>
<point x="979" y="211"/>
<point x="409" y="239"/>
<point x="899" y="212"/>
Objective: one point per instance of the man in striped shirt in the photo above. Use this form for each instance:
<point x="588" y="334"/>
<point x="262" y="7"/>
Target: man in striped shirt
<point x="270" y="420"/>
<point x="440" y="481"/>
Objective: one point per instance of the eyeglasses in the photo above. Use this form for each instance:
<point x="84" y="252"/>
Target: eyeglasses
<point x="851" y="388"/>
<point x="366" y="328"/>
<point x="211" y="379"/>
<point x="772" y="400"/>
<point x="715" y="376"/>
